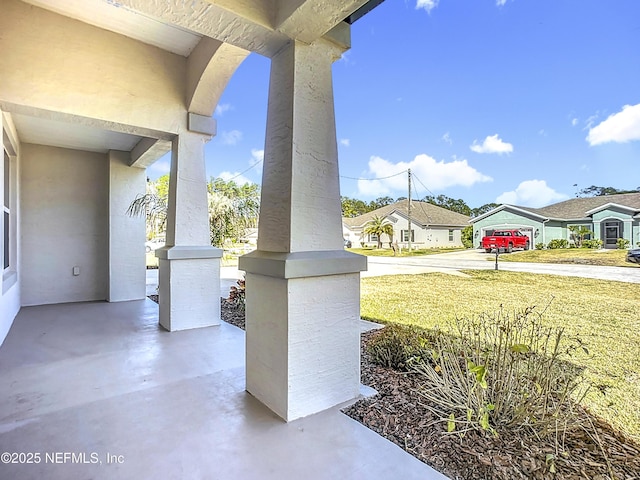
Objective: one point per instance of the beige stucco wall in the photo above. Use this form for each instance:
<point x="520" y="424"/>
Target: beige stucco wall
<point x="55" y="63"/>
<point x="127" y="266"/>
<point x="65" y="211"/>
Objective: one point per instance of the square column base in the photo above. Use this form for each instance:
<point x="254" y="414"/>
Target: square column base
<point x="189" y="287"/>
<point x="303" y="329"/>
<point x="303" y="342"/>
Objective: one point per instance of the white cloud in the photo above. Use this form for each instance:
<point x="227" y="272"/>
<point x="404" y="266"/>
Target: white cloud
<point x="574" y="122"/>
<point x="235" y="176"/>
<point x="232" y="137"/>
<point x="161" y="167"/>
<point x="492" y="144"/>
<point x="531" y="193"/>
<point x="436" y="175"/>
<point x="345" y="58"/>
<point x="222" y="108"/>
<point x="500" y="3"/>
<point x="447" y="138"/>
<point x="257" y="157"/>
<point x="427" y="5"/>
<point x="591" y="120"/>
<point x="620" y="127"/>
<point x="345" y="142"/>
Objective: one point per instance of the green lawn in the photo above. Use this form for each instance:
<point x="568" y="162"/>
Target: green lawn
<point x="604" y="314"/>
<point x="387" y="252"/>
<point x="228" y="260"/>
<point x="578" y="256"/>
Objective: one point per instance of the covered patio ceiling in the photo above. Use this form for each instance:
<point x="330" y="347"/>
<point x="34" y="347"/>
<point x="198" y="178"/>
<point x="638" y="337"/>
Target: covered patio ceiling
<point x="178" y="27"/>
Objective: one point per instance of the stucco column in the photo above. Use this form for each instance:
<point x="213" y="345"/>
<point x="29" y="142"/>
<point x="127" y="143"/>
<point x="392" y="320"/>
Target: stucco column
<point x="126" y="264"/>
<point x="597" y="231"/>
<point x="189" y="276"/>
<point x="303" y="289"/>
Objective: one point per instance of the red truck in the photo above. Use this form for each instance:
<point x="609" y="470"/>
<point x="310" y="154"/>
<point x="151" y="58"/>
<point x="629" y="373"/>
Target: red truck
<point x="505" y="240"/>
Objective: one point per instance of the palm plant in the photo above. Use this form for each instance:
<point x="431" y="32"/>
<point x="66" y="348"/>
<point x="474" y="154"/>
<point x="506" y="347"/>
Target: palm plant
<point x="232" y="208"/>
<point x="378" y="226"/>
<point x="579" y="232"/>
<point x="153" y="205"/>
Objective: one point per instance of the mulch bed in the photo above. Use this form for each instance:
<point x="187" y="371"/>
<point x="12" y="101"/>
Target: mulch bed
<point x="398" y="414"/>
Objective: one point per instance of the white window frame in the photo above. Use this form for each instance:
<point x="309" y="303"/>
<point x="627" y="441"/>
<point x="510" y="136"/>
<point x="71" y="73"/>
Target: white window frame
<point x="405" y="236"/>
<point x="9" y="155"/>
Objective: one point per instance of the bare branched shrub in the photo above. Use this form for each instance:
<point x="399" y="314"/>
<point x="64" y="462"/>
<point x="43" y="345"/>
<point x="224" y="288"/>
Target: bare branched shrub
<point x="502" y="371"/>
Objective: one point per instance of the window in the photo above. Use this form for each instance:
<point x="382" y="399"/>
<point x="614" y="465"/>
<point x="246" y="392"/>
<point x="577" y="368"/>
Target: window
<point x="373" y="237"/>
<point x="7" y="211"/>
<point x="451" y="235"/>
<point x="405" y="235"/>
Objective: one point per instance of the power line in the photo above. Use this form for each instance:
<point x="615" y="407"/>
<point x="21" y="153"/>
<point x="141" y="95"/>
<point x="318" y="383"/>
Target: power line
<point x="420" y="203"/>
<point x="341" y="176"/>
<point x="245" y="171"/>
<point x="378" y="178"/>
<point x="425" y="187"/>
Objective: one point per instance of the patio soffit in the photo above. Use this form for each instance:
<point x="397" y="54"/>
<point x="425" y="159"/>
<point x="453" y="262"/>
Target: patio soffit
<point x="108" y="16"/>
<point x="183" y="27"/>
<point x="60" y="130"/>
<point x="177" y="26"/>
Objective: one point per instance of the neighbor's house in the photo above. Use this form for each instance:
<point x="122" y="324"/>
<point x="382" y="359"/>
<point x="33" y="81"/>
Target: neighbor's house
<point x="608" y="217"/>
<point x="431" y="226"/>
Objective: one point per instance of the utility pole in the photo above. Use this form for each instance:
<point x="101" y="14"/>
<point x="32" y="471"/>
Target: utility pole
<point x="409" y="208"/>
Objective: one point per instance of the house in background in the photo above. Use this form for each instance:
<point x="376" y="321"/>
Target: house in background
<point x="608" y="217"/>
<point x="431" y="226"/>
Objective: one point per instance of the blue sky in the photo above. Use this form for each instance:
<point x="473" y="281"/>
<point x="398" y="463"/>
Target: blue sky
<point x="507" y="101"/>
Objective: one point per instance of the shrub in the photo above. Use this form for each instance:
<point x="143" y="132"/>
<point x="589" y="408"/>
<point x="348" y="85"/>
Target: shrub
<point x="398" y="346"/>
<point x="237" y="295"/>
<point x="623" y="243"/>
<point x="502" y="372"/>
<point x="467" y="236"/>
<point x="592" y="244"/>
<point x="540" y="246"/>
<point x="558" y="243"/>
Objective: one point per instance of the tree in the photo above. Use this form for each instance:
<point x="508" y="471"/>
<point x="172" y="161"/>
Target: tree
<point x="380" y="202"/>
<point x="594" y="191"/>
<point x="153" y="205"/>
<point x="232" y="208"/>
<point x="352" y="207"/>
<point x="487" y="207"/>
<point x="579" y="232"/>
<point x="454" y="204"/>
<point x="378" y="226"/>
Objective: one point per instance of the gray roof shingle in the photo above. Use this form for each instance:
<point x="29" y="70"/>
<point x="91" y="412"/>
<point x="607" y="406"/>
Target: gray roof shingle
<point x="421" y="212"/>
<point x="576" y="208"/>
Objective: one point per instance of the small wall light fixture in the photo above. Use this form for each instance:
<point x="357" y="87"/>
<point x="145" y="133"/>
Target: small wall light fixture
<point x="537" y="232"/>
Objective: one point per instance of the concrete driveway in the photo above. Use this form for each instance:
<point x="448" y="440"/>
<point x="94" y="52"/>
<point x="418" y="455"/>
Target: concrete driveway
<point x="451" y="263"/>
<point x="454" y="262"/>
<point x="228" y="277"/>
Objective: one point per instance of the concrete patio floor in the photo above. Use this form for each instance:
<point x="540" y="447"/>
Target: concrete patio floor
<point x="103" y="383"/>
